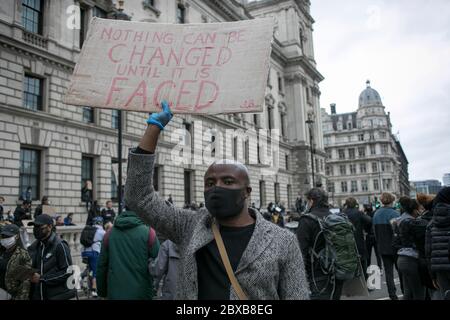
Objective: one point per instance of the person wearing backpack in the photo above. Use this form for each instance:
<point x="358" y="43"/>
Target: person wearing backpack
<point x="325" y="239"/>
<point x="122" y="270"/>
<point x="91" y="238"/>
<point x="361" y="222"/>
<point x="384" y="236"/>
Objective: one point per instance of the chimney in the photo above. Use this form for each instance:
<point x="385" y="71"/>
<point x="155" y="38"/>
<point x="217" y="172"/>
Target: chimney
<point x="333" y="108"/>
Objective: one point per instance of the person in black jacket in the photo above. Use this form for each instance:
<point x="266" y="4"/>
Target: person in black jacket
<point x="370" y="239"/>
<point x="38" y="211"/>
<point x="22" y="212"/>
<point x="108" y="213"/>
<point x="94" y="211"/>
<point x="51" y="258"/>
<point x="308" y="229"/>
<point x="362" y="223"/>
<point x="411" y="249"/>
<point x="438" y="241"/>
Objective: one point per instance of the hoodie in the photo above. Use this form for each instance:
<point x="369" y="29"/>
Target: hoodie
<point x="122" y="271"/>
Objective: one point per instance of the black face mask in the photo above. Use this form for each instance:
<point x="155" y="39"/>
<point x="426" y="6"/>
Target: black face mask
<point x="224" y="203"/>
<point x="39" y="234"/>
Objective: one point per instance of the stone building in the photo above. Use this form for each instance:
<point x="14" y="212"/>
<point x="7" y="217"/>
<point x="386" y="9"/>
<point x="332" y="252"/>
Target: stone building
<point x="364" y="158"/>
<point x="54" y="147"/>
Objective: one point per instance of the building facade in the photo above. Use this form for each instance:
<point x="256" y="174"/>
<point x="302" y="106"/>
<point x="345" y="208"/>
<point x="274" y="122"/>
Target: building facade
<point x="427" y="186"/>
<point x="446" y="180"/>
<point x="54" y="148"/>
<point x="364" y="158"/>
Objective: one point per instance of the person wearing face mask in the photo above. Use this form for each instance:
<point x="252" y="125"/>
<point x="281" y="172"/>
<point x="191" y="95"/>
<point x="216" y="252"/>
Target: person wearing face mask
<point x="13" y="257"/>
<point x="228" y="251"/>
<point x="51" y="256"/>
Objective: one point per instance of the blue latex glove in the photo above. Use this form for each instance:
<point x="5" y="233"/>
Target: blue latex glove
<point x="162" y="118"/>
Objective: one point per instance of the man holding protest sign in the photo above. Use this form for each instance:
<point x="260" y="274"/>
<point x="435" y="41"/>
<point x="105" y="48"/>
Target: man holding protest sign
<point x="228" y="251"/>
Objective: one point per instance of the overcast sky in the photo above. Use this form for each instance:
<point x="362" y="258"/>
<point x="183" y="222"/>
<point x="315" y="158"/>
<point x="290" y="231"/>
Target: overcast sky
<point x="403" y="47"/>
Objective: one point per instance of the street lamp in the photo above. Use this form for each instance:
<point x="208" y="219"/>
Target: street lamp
<point x="120" y="15"/>
<point x="310" y="122"/>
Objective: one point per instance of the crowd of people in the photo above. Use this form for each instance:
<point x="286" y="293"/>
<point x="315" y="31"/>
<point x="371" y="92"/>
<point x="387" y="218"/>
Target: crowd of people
<point x="226" y="249"/>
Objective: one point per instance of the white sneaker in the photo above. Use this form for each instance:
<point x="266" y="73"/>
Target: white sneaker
<point x="94" y="294"/>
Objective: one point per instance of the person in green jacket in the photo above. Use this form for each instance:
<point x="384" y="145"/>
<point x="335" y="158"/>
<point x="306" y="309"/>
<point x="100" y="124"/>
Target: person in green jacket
<point x="122" y="271"/>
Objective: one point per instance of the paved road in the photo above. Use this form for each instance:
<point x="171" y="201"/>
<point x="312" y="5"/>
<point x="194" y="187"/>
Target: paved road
<point x="382" y="293"/>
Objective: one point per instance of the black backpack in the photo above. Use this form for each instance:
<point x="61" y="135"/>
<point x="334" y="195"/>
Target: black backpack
<point x="87" y="236"/>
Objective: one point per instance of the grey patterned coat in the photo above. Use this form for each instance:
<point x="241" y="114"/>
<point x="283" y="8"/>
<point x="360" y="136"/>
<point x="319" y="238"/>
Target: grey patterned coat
<point x="271" y="266"/>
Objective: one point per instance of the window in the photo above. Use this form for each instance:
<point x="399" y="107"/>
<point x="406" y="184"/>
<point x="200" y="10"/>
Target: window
<point x="204" y="19"/>
<point x="235" y="148"/>
<point x="382" y="134"/>
<point x="344" y="186"/>
<point x="349" y="126"/>
<point x="277" y="191"/>
<point x="181" y="13"/>
<point x="329" y="171"/>
<point x="188" y="141"/>
<point x="289" y="191"/>
<point x="88" y="115"/>
<point x="362" y="152"/>
<point x="99" y="13"/>
<point x="83" y="23"/>
<point x="187" y="186"/>
<point x="342" y="169"/>
<point x="262" y="193"/>
<point x="328" y="154"/>
<point x="373" y="149"/>
<point x="376" y="185"/>
<point x="87" y="170"/>
<point x="32" y="15"/>
<point x="115" y="119"/>
<point x="30" y="172"/>
<point x="387" y="184"/>
<point x="247" y="151"/>
<point x="213" y="150"/>
<point x="283" y="124"/>
<point x="353" y="169"/>
<point x="256" y="120"/>
<point x="388" y="167"/>
<point x="280" y="84"/>
<point x="114" y="179"/>
<point x="362" y="168"/>
<point x="354" y="186"/>
<point x="330" y="187"/>
<point x="374" y="167"/>
<point x="351" y="153"/>
<point x="364" y="185"/>
<point x="384" y="149"/>
<point x="382" y="167"/>
<point x="341" y="154"/>
<point x="33" y="92"/>
<point x="286" y="159"/>
<point x="372" y="136"/>
<point x="360" y="137"/>
<point x="270" y="118"/>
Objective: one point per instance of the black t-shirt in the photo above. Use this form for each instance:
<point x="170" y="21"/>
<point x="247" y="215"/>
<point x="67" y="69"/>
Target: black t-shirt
<point x="213" y="282"/>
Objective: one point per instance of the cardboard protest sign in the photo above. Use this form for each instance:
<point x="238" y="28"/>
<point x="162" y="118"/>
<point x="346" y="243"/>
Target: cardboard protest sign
<point x="48" y="210"/>
<point x="211" y="68"/>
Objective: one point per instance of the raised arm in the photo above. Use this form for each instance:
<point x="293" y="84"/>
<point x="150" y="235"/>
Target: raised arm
<point x="173" y="223"/>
